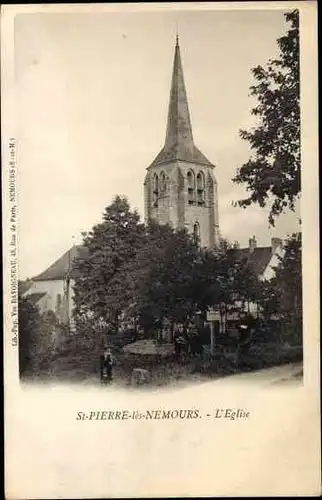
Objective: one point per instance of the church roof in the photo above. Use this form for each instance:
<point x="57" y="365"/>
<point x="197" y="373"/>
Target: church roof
<point x="169" y="154"/>
<point x="258" y="259"/>
<point x="59" y="269"/>
<point x="179" y="143"/>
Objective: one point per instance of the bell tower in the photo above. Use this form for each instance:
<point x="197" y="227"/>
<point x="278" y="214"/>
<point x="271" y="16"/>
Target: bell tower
<point x="180" y="188"/>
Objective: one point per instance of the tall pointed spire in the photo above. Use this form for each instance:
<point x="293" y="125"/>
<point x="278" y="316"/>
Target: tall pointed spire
<point x="179" y="143"/>
<point x="179" y="132"/>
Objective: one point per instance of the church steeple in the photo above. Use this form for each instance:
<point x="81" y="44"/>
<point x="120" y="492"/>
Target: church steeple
<point x="180" y="187"/>
<point x="179" y="132"/>
<point x="179" y="143"/>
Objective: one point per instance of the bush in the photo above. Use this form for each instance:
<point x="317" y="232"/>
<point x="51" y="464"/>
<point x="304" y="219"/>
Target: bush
<point x="35" y="338"/>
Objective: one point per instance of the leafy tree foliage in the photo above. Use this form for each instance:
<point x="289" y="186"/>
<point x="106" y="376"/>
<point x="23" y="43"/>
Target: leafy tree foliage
<point x="99" y="284"/>
<point x="29" y="327"/>
<point x="289" y="277"/>
<point x="35" y="336"/>
<point x="273" y="171"/>
<point x="282" y="295"/>
<point x="179" y="279"/>
<point x="165" y="277"/>
<point x="235" y="284"/>
<point x="237" y="277"/>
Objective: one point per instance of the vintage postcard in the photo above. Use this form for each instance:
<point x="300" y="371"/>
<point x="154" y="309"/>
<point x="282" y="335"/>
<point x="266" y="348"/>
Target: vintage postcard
<point x="161" y="257"/>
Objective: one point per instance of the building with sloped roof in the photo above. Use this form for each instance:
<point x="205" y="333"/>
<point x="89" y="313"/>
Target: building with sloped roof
<point x="52" y="290"/>
<point x="62" y="267"/>
<point x="262" y="260"/>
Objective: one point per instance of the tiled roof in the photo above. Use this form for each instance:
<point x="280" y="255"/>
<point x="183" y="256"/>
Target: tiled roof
<point x="178" y="152"/>
<point x="258" y="259"/>
<point x="59" y="269"/>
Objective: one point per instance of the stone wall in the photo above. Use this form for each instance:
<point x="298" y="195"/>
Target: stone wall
<point x="179" y="208"/>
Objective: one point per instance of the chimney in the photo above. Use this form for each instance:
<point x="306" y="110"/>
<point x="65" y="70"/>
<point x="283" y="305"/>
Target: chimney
<point x="275" y="244"/>
<point x="252" y="244"/>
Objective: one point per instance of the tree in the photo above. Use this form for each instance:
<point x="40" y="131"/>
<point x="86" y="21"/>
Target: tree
<point x="273" y="171"/>
<point x="235" y="283"/>
<point x="289" y="283"/>
<point x="164" y="277"/>
<point x="282" y="295"/>
<point x="29" y="328"/>
<point x="35" y="336"/>
<point x="172" y="279"/>
<point x="99" y="283"/>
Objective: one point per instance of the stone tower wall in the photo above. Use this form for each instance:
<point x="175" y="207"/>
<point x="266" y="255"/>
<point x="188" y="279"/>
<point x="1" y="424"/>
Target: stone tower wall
<point x="174" y="208"/>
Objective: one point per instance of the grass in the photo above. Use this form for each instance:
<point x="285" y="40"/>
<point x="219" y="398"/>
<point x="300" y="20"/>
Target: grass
<point x="79" y="361"/>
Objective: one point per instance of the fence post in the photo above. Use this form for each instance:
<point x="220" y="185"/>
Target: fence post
<point x="212" y="338"/>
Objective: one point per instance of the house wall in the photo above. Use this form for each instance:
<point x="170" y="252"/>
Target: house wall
<point x="50" y="302"/>
<point x="269" y="272"/>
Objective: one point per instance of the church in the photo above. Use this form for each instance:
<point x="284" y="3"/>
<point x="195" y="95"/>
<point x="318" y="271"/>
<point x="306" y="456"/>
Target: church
<point x="180" y="189"/>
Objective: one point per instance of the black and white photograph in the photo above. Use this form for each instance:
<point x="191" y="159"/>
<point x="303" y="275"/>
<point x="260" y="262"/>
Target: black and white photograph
<point x="155" y="210"/>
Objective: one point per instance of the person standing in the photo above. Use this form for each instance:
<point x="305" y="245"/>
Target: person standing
<point x="179" y="344"/>
<point x="106" y="364"/>
<point x="246" y="329"/>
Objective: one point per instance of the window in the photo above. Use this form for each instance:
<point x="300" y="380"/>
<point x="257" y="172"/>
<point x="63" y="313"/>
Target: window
<point x="155" y="189"/>
<point x="155" y="184"/>
<point x="163" y="183"/>
<point x="200" y="189"/>
<point x="191" y="179"/>
<point x="200" y="181"/>
<point x="191" y="187"/>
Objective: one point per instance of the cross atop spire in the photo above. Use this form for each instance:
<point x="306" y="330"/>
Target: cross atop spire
<point x="179" y="143"/>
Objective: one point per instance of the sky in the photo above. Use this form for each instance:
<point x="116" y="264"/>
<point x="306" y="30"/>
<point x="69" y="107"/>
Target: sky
<point x="92" y="93"/>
